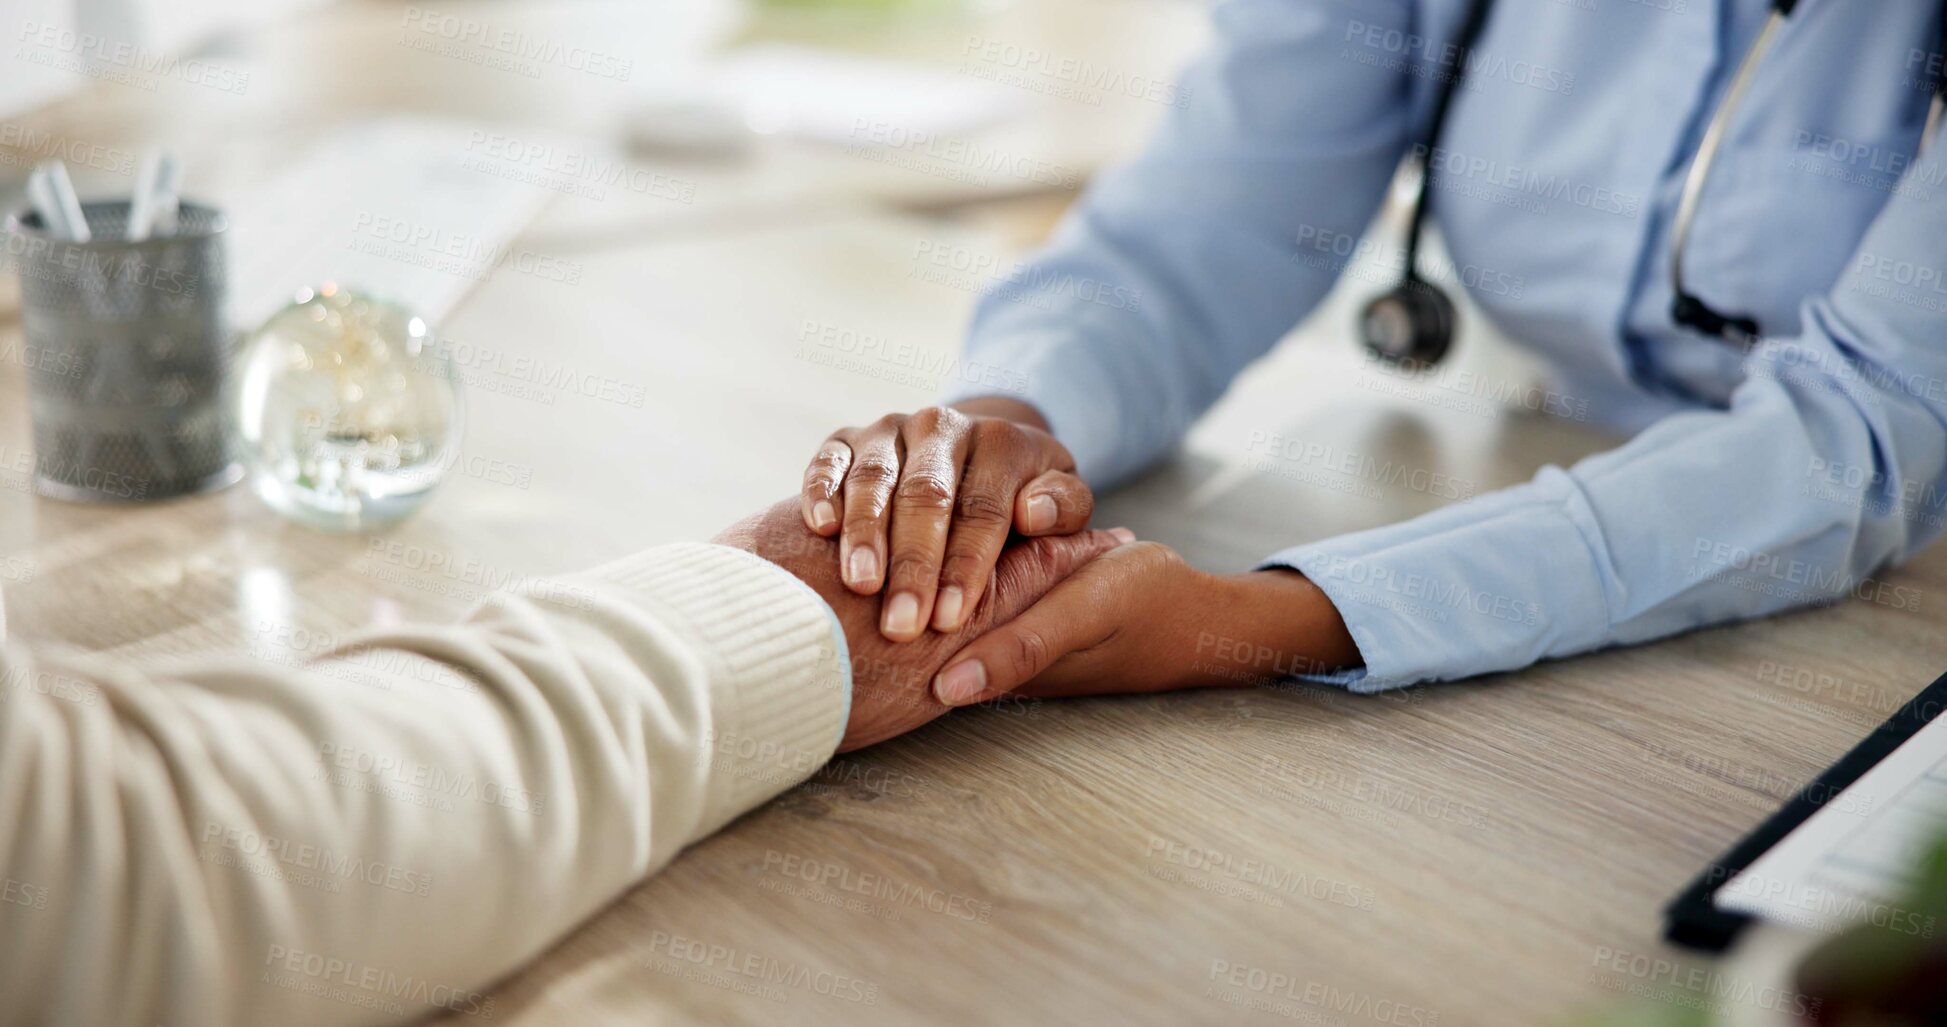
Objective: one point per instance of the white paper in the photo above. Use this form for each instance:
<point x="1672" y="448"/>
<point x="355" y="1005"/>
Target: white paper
<point x="410" y="209"/>
<point x="1849" y="862"/>
<point x="816" y="95"/>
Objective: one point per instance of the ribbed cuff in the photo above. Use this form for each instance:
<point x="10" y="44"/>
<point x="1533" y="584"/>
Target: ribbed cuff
<point x="1488" y="585"/>
<point x="779" y="673"/>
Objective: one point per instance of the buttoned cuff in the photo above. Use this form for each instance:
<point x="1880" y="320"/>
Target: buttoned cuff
<point x="1489" y="585"/>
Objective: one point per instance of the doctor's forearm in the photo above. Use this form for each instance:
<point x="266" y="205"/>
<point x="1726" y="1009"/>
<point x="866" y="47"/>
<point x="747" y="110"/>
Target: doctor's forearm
<point x="1269" y="623"/>
<point x="1274" y="624"/>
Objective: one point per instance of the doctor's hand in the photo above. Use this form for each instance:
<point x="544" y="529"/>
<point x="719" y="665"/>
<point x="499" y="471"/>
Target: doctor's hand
<point x="1141" y="619"/>
<point x="922" y="504"/>
<point x="892" y="682"/>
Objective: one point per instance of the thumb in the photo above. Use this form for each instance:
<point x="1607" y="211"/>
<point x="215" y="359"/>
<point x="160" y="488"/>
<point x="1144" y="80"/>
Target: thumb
<point x="1036" y="617"/>
<point x="1071" y="617"/>
<point x="1028" y="569"/>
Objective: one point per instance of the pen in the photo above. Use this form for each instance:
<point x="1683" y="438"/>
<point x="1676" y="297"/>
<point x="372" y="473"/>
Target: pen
<point x="166" y="195"/>
<point x="149" y="174"/>
<point x="53" y="195"/>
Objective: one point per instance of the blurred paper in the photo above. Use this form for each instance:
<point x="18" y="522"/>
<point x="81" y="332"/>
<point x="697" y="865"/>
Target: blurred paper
<point x="829" y="97"/>
<point x="416" y="210"/>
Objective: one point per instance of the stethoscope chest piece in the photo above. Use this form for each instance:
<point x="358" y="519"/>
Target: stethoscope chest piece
<point x="1414" y="323"/>
<point x="1410" y="326"/>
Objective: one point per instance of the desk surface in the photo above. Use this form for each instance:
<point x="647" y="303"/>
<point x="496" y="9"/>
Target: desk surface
<point x="1464" y="854"/>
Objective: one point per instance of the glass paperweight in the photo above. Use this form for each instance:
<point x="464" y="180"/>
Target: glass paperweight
<point x="348" y="413"/>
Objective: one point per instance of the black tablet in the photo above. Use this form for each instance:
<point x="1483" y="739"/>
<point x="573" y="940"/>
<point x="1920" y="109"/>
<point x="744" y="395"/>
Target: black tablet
<point x="1835" y="851"/>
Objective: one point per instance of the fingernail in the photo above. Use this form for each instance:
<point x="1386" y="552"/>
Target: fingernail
<point x="946" y="609"/>
<point x="902" y="614"/>
<point x="1041" y="513"/>
<point x="960" y="683"/>
<point x="1123" y="535"/>
<point x="864" y="566"/>
<point x="822" y="515"/>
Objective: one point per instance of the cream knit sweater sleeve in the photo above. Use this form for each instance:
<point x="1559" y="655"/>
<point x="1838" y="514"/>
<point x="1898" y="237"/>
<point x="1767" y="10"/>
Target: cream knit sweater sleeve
<point x="382" y="832"/>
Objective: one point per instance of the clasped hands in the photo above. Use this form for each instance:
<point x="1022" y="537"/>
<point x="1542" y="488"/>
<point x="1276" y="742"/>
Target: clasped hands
<point x="904" y="528"/>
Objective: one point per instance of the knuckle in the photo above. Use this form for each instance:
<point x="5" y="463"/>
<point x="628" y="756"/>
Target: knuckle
<point x="1154" y="556"/>
<point x="937" y="423"/>
<point x="1029" y="653"/>
<point x="925" y="491"/>
<point x="888" y="423"/>
<point x="874" y="471"/>
<point x="995" y="432"/>
<point x="982" y="504"/>
<point x="1040" y="561"/>
<point x="927" y="419"/>
<point x="962" y="568"/>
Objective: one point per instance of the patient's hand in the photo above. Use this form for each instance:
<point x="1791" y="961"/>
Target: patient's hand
<point x="892" y="682"/>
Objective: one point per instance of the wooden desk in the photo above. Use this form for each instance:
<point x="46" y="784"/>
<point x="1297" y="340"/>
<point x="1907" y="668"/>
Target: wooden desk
<point x="1465" y="854"/>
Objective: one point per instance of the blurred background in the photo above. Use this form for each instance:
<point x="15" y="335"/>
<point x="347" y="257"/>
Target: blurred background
<point x="722" y="114"/>
<point x="665" y="246"/>
<point x="686" y="237"/>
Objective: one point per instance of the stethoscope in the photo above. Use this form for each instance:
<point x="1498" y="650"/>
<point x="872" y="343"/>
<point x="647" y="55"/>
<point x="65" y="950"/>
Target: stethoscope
<point x="1413" y="324"/>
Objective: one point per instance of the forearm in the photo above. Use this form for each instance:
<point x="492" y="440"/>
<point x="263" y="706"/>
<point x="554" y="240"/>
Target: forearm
<point x="401" y="821"/>
<point x="1269" y="625"/>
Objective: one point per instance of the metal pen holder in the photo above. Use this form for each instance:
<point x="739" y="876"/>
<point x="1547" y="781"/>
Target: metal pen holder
<point x="128" y="352"/>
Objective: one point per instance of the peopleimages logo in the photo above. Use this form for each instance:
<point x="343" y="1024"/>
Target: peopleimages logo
<point x="757" y="967"/>
<point x="27" y="147"/>
<point x="120" y="61"/>
<point x="1476" y="65"/>
<point x="1097" y="79"/>
<point x="1702" y="982"/>
<point x="1317" y="994"/>
<point x="1017" y="279"/>
<point x="970" y="156"/>
<point x="371" y="982"/>
<point x="1451" y="164"/>
<point x="516" y="44"/>
<point x="1333" y="251"/>
<point x="1815" y="580"/>
<point x="878" y="886"/>
<point x="1421" y="588"/>
<point x="306" y="856"/>
<point x="1360" y="465"/>
<point x="931" y="368"/>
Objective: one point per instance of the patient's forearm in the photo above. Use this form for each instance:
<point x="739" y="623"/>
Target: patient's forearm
<point x="383" y="832"/>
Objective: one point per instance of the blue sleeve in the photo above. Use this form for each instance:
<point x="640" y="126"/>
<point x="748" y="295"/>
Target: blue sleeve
<point x="1829" y="464"/>
<point x="1182" y="266"/>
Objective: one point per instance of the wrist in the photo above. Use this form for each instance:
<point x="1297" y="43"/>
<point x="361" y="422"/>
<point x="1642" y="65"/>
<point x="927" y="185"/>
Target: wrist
<point x="1273" y="624"/>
